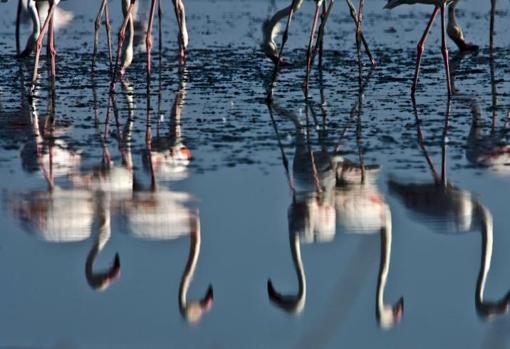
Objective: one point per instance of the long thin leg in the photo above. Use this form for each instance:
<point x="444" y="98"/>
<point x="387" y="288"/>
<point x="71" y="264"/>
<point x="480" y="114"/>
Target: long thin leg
<point x="354" y="16"/>
<point x="493" y="20"/>
<point x="318" y="5"/>
<point x="358" y="42"/>
<point x="444" y="49"/>
<point x="39" y="44"/>
<point x="120" y="44"/>
<point x="420" y="47"/>
<point x="51" y="47"/>
<point x="148" y="38"/>
<point x="319" y="44"/>
<point x="96" y="30"/>
<point x="320" y="35"/>
<point x="160" y="33"/>
<point x="18" y="15"/>
<point x="108" y="35"/>
<point x="280" y="54"/>
<point x="444" y="179"/>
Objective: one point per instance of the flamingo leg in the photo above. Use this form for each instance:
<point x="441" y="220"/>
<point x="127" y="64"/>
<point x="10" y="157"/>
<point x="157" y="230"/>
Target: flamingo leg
<point x="492" y="24"/>
<point x="419" y="49"/>
<point x="444" y="179"/>
<point x="108" y="35"/>
<point x="148" y="38"/>
<point x="280" y="54"/>
<point x="51" y="47"/>
<point x="160" y="33"/>
<point x="444" y="50"/>
<point x="318" y="5"/>
<point x="319" y="45"/>
<point x="320" y="36"/>
<point x="39" y="43"/>
<point x="18" y="15"/>
<point x="96" y="30"/>
<point x="358" y="42"/>
<point x="120" y="44"/>
<point x="354" y="16"/>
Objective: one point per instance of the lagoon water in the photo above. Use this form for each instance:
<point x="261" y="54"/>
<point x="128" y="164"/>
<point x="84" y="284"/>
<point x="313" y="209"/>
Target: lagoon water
<point x="211" y="204"/>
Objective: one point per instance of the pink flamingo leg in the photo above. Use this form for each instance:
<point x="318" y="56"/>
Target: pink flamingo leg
<point x="120" y="44"/>
<point x="420" y="47"/>
<point x="108" y="35"/>
<point x="444" y="50"/>
<point x="39" y="44"/>
<point x="354" y="16"/>
<point x="18" y="16"/>
<point x="318" y="4"/>
<point x="148" y="38"/>
<point x="51" y="47"/>
<point x="492" y="24"/>
<point x="96" y="30"/>
<point x="358" y="42"/>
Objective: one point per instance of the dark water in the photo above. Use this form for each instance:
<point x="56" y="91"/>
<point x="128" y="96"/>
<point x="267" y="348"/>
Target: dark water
<point x="223" y="217"/>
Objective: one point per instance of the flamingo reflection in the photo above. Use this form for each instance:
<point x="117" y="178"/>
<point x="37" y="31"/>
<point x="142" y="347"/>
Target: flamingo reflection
<point x="326" y="193"/>
<point x="60" y="214"/>
<point x="455" y="208"/>
<point x="157" y="213"/>
<point x="488" y="150"/>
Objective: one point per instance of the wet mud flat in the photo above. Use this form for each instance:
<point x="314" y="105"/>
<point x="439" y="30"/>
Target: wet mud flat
<point x="235" y="185"/>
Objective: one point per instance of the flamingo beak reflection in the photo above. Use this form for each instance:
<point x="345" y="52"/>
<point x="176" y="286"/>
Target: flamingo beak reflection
<point x="195" y="310"/>
<point x="398" y="311"/>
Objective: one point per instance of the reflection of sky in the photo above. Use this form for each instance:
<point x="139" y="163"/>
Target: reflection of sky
<point x="243" y="208"/>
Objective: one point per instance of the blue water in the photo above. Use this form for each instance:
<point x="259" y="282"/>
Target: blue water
<point x="236" y="186"/>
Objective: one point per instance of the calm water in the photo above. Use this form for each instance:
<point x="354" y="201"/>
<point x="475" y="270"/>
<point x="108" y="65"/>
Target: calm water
<point x="211" y="200"/>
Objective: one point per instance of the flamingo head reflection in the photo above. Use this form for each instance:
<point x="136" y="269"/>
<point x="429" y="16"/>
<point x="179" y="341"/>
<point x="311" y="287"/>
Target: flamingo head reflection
<point x="490" y="310"/>
<point x="390" y="316"/>
<point x="290" y="303"/>
<point x="193" y="311"/>
<point x="100" y="281"/>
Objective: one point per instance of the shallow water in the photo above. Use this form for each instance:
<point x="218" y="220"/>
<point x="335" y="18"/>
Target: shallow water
<point x="235" y="189"/>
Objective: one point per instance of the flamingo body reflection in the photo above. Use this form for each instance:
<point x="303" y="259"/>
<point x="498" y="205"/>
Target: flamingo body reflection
<point x="331" y="194"/>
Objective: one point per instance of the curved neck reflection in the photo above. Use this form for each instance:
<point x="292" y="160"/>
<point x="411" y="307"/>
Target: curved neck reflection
<point x="192" y="311"/>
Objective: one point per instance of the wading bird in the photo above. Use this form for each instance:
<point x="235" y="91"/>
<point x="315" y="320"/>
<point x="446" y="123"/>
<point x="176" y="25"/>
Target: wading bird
<point x="454" y="31"/>
<point x="270" y="29"/>
<point x="128" y="7"/>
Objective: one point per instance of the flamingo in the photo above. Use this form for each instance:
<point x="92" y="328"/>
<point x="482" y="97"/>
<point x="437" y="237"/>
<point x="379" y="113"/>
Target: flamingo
<point x="439" y="5"/>
<point x="449" y="205"/>
<point x="38" y="34"/>
<point x="62" y="18"/>
<point x="492" y="150"/>
<point x="270" y="28"/>
<point x="326" y="192"/>
<point x="103" y="10"/>
<point x="128" y="8"/>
